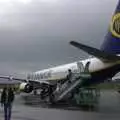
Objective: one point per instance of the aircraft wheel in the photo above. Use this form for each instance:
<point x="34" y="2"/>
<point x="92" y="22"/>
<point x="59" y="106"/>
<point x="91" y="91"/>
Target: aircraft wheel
<point x="118" y="91"/>
<point x="51" y="99"/>
<point x="35" y="92"/>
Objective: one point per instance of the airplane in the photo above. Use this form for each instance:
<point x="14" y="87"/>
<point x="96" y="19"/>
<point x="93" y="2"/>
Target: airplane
<point x="104" y="65"/>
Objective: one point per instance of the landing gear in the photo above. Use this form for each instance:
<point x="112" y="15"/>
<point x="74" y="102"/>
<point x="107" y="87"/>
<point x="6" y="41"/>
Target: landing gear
<point x="47" y="92"/>
<point x="118" y="91"/>
<point x="44" y="93"/>
<point x="35" y="92"/>
<point x="118" y="88"/>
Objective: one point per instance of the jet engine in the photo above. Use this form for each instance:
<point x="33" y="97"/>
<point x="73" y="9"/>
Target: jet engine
<point x="26" y="87"/>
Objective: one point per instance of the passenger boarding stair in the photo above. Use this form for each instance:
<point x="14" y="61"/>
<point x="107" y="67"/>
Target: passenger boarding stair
<point x="76" y="81"/>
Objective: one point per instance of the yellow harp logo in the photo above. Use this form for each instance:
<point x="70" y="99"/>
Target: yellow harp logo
<point x="115" y="25"/>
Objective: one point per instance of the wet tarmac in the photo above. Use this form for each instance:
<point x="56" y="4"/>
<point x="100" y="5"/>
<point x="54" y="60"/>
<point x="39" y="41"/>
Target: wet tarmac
<point x="107" y="109"/>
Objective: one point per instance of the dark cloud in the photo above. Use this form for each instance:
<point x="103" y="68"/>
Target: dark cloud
<point x="35" y="34"/>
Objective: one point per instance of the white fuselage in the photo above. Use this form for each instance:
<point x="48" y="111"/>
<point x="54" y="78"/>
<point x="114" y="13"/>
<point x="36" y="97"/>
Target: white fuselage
<point x="60" y="72"/>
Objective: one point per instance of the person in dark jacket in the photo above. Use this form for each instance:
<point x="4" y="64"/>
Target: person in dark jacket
<point x="69" y="76"/>
<point x="7" y="98"/>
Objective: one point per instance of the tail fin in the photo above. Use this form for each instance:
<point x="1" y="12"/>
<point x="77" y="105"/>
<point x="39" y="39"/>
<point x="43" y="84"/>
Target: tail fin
<point x="112" y="40"/>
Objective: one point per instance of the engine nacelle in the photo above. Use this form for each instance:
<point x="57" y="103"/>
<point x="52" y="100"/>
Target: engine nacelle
<point x="26" y="87"/>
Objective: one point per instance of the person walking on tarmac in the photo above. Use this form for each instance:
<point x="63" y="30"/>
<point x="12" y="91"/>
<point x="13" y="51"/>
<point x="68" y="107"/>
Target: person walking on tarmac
<point x="7" y="98"/>
<point x="69" y="76"/>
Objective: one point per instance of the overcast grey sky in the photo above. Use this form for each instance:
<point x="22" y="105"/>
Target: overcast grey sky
<point x="35" y="34"/>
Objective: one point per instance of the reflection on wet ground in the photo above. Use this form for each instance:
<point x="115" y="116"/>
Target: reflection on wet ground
<point x="109" y="102"/>
<point x="34" y="109"/>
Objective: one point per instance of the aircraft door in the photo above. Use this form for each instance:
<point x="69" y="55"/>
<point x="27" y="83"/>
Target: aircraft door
<point x="80" y="67"/>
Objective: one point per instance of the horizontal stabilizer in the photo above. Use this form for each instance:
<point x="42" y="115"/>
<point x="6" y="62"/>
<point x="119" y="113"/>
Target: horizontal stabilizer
<point x="96" y="52"/>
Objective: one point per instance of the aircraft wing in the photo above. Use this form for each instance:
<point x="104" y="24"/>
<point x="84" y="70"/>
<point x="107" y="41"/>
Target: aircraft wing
<point x="12" y="78"/>
<point x="96" y="52"/>
<point x="4" y="81"/>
